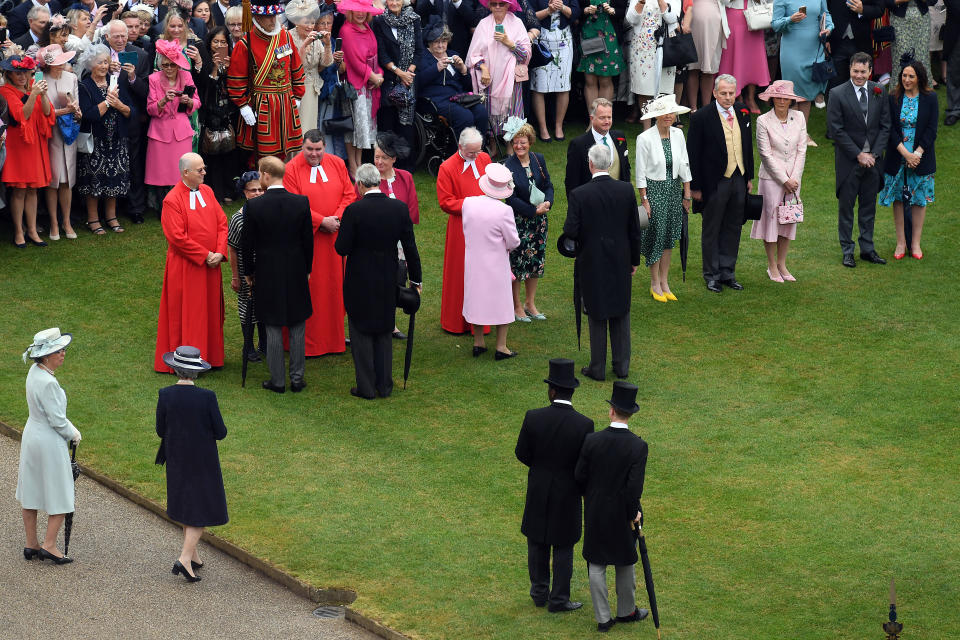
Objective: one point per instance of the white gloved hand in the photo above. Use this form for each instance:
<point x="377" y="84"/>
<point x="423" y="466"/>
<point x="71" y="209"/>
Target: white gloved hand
<point x="78" y="438"/>
<point x="247" y="114"/>
<point x="296" y="102"/>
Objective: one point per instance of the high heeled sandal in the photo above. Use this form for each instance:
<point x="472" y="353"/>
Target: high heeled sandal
<point x="116" y="228"/>
<point x="98" y="230"/>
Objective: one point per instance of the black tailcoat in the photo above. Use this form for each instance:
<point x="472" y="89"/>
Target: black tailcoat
<point x="578" y="164"/>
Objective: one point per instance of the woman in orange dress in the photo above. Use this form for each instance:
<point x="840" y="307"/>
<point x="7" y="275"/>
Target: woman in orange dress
<point x="29" y="127"/>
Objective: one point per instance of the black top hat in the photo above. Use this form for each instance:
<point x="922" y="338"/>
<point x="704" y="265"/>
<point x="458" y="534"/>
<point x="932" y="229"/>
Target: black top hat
<point x="752" y="207"/>
<point x="624" y="398"/>
<point x="567" y="246"/>
<point x="561" y="374"/>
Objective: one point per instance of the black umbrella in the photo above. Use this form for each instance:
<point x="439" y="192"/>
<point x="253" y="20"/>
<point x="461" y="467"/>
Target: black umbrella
<point x="906" y="196"/>
<point x="684" y="240"/>
<point x="247" y="348"/>
<point x="68" y="519"/>
<point x="648" y="577"/>
<point x="408" y="354"/>
<point x="408" y="299"/>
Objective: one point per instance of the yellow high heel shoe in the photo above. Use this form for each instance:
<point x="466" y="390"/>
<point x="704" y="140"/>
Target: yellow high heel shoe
<point x="657" y="296"/>
<point x="669" y="296"/>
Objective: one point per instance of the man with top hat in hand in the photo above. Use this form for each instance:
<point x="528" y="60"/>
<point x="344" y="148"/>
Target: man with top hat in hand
<point x="610" y="473"/>
<point x="549" y="443"/>
<point x="269" y="93"/>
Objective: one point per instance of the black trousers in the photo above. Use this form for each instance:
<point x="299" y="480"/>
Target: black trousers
<point x="863" y="184"/>
<point x="136" y="200"/>
<point x="372" y="361"/>
<point x="722" y="224"/>
<point x="538" y="564"/>
<point x="953" y="82"/>
<point x="619" y="345"/>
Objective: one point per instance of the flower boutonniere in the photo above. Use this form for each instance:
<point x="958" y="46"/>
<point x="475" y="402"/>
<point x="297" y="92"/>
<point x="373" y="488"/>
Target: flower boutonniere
<point x="745" y="112"/>
<point x="877" y="90"/>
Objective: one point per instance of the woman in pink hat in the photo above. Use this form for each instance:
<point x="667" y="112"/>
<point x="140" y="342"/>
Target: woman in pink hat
<point x="62" y="91"/>
<point x="782" y="144"/>
<point x="171" y="99"/>
<point x="490" y="234"/>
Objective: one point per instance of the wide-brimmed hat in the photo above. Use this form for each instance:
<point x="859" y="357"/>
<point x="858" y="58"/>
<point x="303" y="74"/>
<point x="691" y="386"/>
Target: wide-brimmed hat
<point x="363" y="6"/>
<point x="513" y="5"/>
<point x="496" y="181"/>
<point x="265" y="8"/>
<point x="781" y="89"/>
<point x="662" y="106"/>
<point x="567" y="246"/>
<point x="53" y="56"/>
<point x="561" y="374"/>
<point x="18" y="63"/>
<point x="171" y="51"/>
<point x="46" y="342"/>
<point x="300" y="11"/>
<point x="186" y="357"/>
<point x="624" y="397"/>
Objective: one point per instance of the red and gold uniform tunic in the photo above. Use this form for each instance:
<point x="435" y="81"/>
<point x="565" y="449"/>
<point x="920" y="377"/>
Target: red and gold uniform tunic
<point x="269" y="87"/>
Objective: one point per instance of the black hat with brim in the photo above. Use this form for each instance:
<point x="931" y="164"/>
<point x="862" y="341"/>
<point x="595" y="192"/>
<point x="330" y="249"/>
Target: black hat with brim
<point x="567" y="246"/>
<point x="561" y="374"/>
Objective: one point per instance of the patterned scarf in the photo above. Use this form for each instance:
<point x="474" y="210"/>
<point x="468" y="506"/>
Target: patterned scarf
<point x="403" y="23"/>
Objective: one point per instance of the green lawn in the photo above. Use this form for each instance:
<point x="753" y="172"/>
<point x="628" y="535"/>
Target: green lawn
<point x="803" y="438"/>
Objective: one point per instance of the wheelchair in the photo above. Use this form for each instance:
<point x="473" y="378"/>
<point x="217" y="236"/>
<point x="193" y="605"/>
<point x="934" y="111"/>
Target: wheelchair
<point x="433" y="136"/>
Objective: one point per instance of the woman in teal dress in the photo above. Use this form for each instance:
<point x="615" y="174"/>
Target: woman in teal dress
<point x="600" y="68"/>
<point x="911" y="161"/>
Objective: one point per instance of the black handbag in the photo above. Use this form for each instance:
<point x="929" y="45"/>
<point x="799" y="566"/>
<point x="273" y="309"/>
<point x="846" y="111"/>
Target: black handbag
<point x="591" y="46"/>
<point x="341" y="124"/>
<point x="679" y="50"/>
<point x="540" y="55"/>
<point x="824" y="70"/>
<point x="467" y="100"/>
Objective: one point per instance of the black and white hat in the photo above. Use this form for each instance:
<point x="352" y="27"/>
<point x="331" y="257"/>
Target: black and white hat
<point x="186" y="357"/>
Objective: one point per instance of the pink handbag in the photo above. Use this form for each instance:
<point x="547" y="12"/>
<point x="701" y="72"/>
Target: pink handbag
<point x="790" y="213"/>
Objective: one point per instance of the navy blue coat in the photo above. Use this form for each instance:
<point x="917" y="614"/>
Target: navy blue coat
<point x="439" y="85"/>
<point x="540" y="5"/>
<point x="520" y="200"/>
<point x="17" y="24"/>
<point x="189" y="422"/>
<point x="90" y="97"/>
<point x="928" y="111"/>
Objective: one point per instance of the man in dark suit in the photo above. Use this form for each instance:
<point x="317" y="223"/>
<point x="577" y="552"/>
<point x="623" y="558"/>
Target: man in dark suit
<point x="601" y="121"/>
<point x="720" y="147"/>
<point x="278" y="256"/>
<point x="368" y="236"/>
<point x="951" y="53"/>
<point x="851" y="33"/>
<point x="18" y="23"/>
<point x="610" y="473"/>
<point x="37" y="19"/>
<point x="219" y="11"/>
<point x="549" y="443"/>
<point x="858" y="120"/>
<point x="602" y="217"/>
<point x="458" y="15"/>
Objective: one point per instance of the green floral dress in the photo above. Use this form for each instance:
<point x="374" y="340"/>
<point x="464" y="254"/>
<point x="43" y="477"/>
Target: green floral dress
<point x="666" y="202"/>
<point x="601" y="64"/>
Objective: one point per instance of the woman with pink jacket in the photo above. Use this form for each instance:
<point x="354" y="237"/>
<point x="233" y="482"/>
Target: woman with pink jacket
<point x="171" y="99"/>
<point x="782" y="144"/>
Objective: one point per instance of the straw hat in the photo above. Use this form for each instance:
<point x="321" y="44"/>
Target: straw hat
<point x="497" y="181"/>
<point x="781" y="89"/>
<point x="46" y="342"/>
<point x="662" y="106"/>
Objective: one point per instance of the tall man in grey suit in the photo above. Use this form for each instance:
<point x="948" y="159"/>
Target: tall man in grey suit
<point x="549" y="443"/>
<point x="278" y="257"/>
<point x="858" y="121"/>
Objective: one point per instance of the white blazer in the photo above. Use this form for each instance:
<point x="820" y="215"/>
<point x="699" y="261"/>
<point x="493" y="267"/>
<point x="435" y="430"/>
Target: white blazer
<point x="651" y="162"/>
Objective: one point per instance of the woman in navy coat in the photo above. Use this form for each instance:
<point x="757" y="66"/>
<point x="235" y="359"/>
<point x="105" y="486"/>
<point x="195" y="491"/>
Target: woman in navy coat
<point x="189" y="424"/>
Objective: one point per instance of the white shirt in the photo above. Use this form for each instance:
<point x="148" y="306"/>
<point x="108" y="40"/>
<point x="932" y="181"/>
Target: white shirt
<point x="600" y="173"/>
<point x="598" y="137"/>
<point x="619" y="425"/>
<point x="275" y="186"/>
<point x="566" y="402"/>
<point x="724" y="112"/>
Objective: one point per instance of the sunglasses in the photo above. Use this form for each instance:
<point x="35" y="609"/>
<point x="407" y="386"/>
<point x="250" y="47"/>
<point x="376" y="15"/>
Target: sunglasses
<point x="167" y="65"/>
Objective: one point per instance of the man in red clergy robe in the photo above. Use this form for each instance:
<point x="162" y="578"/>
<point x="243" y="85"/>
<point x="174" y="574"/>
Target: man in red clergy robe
<point x="458" y="178"/>
<point x="323" y="178"/>
<point x="191" y="302"/>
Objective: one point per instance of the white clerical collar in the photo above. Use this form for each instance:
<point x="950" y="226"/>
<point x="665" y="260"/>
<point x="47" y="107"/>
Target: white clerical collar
<point x="275" y="186"/>
<point x="472" y="164"/>
<point x="373" y="190"/>
<point x="619" y="425"/>
<point x="566" y="402"/>
<point x="195" y="197"/>
<point x="600" y="173"/>
<point x="318" y="170"/>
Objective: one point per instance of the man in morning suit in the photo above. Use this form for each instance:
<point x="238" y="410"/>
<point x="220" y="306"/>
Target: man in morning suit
<point x="549" y="443"/>
<point x="369" y="232"/>
<point x="852" y="20"/>
<point x="858" y="120"/>
<point x="951" y="53"/>
<point x="610" y="473"/>
<point x="720" y="147"/>
<point x="18" y="23"/>
<point x="278" y="257"/>
<point x="602" y="218"/>
<point x="601" y="119"/>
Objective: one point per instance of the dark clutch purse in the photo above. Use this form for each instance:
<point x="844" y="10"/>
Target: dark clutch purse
<point x="679" y="50"/>
<point x="885" y="34"/>
<point x="467" y="100"/>
<point x="342" y="124"/>
<point x="593" y="46"/>
<point x="217" y="141"/>
<point x="824" y="71"/>
<point x="540" y="55"/>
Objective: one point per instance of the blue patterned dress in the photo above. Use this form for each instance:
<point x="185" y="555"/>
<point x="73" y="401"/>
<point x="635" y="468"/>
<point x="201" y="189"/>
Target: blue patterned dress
<point x="920" y="188"/>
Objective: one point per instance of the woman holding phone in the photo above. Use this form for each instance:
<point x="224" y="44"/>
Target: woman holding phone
<point x="62" y="91"/>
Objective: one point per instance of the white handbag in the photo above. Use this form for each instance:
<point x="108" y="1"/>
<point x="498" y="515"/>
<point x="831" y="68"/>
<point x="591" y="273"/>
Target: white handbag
<point x="759" y="14"/>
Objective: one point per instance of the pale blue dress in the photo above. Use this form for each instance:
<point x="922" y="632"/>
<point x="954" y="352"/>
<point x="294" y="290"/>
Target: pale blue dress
<point x="45" y="481"/>
<point x="800" y="43"/>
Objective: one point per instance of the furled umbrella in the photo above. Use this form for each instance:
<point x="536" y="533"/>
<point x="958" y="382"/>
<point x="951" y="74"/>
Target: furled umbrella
<point x="570" y="248"/>
<point x="905" y="198"/>
<point x="648" y="577"/>
<point x="68" y="519"/>
<point x="684" y="240"/>
<point x="247" y="348"/>
<point x="408" y="299"/>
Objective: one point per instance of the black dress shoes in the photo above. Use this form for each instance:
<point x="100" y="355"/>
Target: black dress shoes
<point x="566" y="606"/>
<point x="179" y="568"/>
<point x="872" y="257"/>
<point x="603" y="627"/>
<point x="254" y="356"/>
<point x="399" y="335"/>
<point x="732" y="284"/>
<point x="46" y="555"/>
<point x="297" y="387"/>
<point x="713" y="285"/>
<point x="356" y="394"/>
<point x="478" y="350"/>
<point x="586" y="371"/>
<point x="271" y="387"/>
<point x="637" y="615"/>
<point x="848" y="261"/>
<point x="540" y="603"/>
<point x="135" y="218"/>
<point x="950" y="120"/>
<point x="30" y="553"/>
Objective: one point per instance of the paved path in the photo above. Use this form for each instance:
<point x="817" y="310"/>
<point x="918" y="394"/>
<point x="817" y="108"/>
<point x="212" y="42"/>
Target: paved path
<point x="120" y="585"/>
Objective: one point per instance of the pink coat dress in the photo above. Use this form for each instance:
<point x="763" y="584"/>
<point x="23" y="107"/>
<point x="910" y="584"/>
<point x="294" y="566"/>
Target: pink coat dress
<point x="783" y="152"/>
<point x="170" y="134"/>
<point x="490" y="234"/>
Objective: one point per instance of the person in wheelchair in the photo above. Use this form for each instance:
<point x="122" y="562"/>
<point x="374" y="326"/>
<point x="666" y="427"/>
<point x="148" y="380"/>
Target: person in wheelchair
<point x="443" y="81"/>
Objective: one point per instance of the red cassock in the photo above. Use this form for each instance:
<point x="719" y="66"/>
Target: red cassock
<point x="453" y="185"/>
<point x="28" y="159"/>
<point x="269" y="89"/>
<point x="324" y="330"/>
<point x="191" y="303"/>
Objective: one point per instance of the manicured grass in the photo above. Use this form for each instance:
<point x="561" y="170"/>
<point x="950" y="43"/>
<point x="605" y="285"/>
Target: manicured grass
<point x="803" y="438"/>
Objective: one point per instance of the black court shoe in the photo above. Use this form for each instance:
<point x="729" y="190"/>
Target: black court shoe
<point x="179" y="568"/>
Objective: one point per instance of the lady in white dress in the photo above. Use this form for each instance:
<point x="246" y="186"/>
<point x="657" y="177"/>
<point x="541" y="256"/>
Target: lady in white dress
<point x="303" y="15"/>
<point x="647" y="78"/>
<point x="62" y="91"/>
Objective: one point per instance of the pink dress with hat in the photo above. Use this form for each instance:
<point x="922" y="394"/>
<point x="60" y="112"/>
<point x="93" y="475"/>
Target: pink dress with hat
<point x="490" y="234"/>
<point x="783" y="153"/>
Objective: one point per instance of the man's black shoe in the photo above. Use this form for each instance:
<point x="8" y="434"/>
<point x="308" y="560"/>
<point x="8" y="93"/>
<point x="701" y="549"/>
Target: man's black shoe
<point x="136" y="218"/>
<point x="848" y="261"/>
<point x="603" y="627"/>
<point x="872" y="257"/>
<point x="269" y="387"/>
<point x="732" y="284"/>
<point x="297" y="387"/>
<point x="566" y="606"/>
<point x="637" y="615"/>
<point x="356" y="394"/>
<point x="950" y="120"/>
<point x="713" y="285"/>
<point x="586" y="371"/>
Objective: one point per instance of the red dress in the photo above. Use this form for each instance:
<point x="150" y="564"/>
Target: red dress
<point x="28" y="154"/>
<point x="269" y="89"/>
<point x="324" y="330"/>
<point x="191" y="302"/>
<point x="453" y="185"/>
